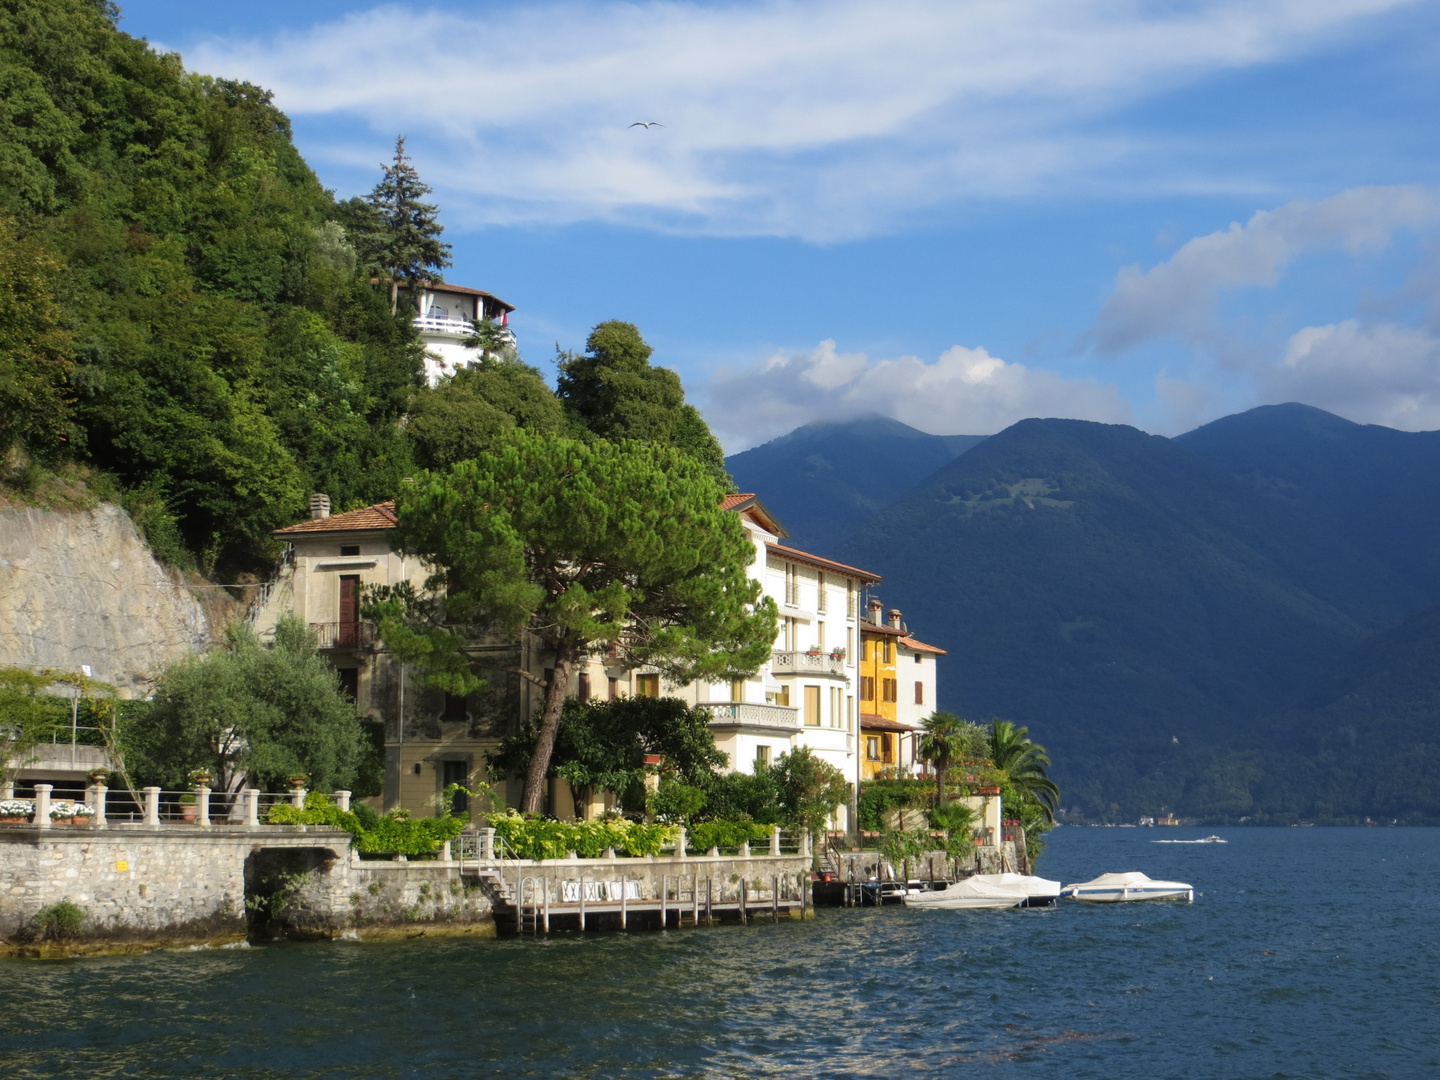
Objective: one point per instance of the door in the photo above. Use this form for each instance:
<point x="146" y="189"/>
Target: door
<point x="812" y="706"/>
<point x="349" y="628"/>
<point x="456" y="772"/>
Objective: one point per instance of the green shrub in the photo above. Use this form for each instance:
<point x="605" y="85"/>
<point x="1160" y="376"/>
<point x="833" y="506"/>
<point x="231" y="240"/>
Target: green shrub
<point x="879" y="797"/>
<point x="59" y="922"/>
<point x="533" y="838"/>
<point x="726" y="835"/>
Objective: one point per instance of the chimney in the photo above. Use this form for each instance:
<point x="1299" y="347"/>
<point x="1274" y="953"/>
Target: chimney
<point x="319" y="506"/>
<point x="895" y="618"/>
<point x="875" y="609"/>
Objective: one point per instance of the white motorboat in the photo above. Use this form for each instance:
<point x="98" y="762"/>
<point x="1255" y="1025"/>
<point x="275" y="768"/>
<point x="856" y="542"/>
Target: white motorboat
<point x="994" y="891"/>
<point x="1122" y="888"/>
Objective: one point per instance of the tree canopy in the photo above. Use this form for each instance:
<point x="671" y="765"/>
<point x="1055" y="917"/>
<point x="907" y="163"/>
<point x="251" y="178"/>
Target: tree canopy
<point x="591" y="543"/>
<point x="251" y="712"/>
<point x="404" y="239"/>
<point x="613" y="391"/>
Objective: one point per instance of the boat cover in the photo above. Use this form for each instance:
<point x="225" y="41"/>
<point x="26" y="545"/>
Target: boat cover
<point x="1130" y="879"/>
<point x="1015" y="887"/>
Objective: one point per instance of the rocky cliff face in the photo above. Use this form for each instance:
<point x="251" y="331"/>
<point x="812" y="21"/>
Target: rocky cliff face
<point x="82" y="588"/>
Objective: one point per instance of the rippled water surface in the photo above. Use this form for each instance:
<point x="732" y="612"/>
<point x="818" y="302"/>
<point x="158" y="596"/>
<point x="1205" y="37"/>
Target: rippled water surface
<point x="1307" y="953"/>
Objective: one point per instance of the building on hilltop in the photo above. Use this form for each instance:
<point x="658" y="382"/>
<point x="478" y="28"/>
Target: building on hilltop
<point x="445" y="316"/>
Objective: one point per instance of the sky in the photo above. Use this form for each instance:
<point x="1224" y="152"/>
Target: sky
<point x="958" y="213"/>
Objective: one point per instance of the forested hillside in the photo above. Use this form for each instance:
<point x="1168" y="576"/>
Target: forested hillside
<point x="826" y="479"/>
<point x="191" y="323"/>
<point x="1143" y="607"/>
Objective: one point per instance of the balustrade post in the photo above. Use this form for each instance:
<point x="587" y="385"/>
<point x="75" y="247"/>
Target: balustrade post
<point x="342" y="800"/>
<point x="42" y="805"/>
<point x="152" y="805"/>
<point x="446" y="855"/>
<point x="805" y="844"/>
<point x="297" y="798"/>
<point x="744" y="852"/>
<point x="100" y="789"/>
<point x="487" y="843"/>
<point x="775" y="840"/>
<point x="202" y="805"/>
<point x="252" y="806"/>
<point x="680" y="844"/>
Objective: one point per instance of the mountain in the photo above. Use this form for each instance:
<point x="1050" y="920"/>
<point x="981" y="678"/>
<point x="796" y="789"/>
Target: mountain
<point x="822" y="480"/>
<point x="1144" y="603"/>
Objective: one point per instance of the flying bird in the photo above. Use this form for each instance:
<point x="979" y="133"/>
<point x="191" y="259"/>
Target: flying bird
<point x="647" y="125"/>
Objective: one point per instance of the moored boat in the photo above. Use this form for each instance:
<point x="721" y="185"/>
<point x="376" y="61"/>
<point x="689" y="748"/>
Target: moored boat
<point x="1126" y="887"/>
<point x="995" y="891"/>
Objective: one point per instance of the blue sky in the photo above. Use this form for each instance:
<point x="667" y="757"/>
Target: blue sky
<point x="956" y="213"/>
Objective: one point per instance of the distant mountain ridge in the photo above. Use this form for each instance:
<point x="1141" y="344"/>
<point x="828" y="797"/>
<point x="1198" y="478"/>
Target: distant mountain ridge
<point x="1163" y="612"/>
<point x="824" y="480"/>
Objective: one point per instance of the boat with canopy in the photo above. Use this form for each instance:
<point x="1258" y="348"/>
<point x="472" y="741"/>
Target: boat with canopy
<point x="1122" y="888"/>
<point x="995" y="891"/>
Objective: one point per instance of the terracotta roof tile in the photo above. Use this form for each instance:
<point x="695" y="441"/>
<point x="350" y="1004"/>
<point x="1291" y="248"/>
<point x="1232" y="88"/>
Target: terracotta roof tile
<point x="730" y="502"/>
<point x="824" y="564"/>
<point x="920" y="646"/>
<point x="379" y="516"/>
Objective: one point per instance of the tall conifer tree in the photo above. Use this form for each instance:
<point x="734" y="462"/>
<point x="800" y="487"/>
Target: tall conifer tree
<point x="409" y="244"/>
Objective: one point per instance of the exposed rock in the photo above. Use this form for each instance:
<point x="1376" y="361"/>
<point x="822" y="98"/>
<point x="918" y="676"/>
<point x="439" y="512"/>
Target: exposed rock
<point x="82" y="588"/>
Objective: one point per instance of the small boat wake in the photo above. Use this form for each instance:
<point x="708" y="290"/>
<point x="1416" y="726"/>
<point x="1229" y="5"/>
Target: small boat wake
<point x="1206" y="840"/>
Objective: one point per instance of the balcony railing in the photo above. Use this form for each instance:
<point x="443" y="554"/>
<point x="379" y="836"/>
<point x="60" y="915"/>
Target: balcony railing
<point x="752" y="715"/>
<point x="459" y="328"/>
<point x="344" y="635"/>
<point x="804" y="663"/>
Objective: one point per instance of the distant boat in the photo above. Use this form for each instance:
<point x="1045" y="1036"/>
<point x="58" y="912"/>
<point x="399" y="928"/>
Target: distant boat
<point x="994" y="891"/>
<point x="1122" y="888"/>
<point x="1206" y="840"/>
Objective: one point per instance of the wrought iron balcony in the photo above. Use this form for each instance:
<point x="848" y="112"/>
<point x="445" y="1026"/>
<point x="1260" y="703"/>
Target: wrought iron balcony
<point x="344" y="635"/>
<point x="806" y="663"/>
<point x="748" y="714"/>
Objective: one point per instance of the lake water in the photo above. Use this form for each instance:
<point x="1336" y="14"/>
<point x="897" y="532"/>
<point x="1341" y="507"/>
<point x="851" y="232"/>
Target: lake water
<point x="1307" y="953"/>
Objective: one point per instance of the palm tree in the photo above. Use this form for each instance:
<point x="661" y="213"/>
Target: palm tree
<point x="944" y="741"/>
<point x="1025" y="764"/>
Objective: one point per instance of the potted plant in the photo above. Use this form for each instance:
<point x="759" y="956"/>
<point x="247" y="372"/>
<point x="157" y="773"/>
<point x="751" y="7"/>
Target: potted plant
<point x="198" y="777"/>
<point x="838" y="653"/>
<point x="61" y="811"/>
<point x="188" y="807"/>
<point x="16" y="811"/>
<point x="814" y="650"/>
<point x="81" y="814"/>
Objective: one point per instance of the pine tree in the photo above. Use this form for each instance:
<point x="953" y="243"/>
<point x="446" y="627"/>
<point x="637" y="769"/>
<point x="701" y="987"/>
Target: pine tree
<point x="409" y="247"/>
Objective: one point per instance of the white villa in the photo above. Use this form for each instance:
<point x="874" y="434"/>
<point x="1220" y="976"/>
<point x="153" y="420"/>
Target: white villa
<point x="446" y="316"/>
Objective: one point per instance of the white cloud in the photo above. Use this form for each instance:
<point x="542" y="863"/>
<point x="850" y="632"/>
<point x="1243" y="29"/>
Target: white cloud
<point x="1177" y="298"/>
<point x="1380" y="374"/>
<point x="822" y="120"/>
<point x="965" y="391"/>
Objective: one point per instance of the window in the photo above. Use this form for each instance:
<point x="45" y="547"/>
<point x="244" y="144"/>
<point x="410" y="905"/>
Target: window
<point x="582" y="690"/>
<point x="812" y="706"/>
<point x="919" y="693"/>
<point x="614" y="688"/>
<point x="820" y="603"/>
<point x="454" y="707"/>
<point x="349" y="682"/>
<point x="849" y="600"/>
<point x="350" y="549"/>
<point x="889" y="650"/>
<point x="872" y="747"/>
<point x="917" y="658"/>
<point x="456" y="772"/>
<point x="820" y="634"/>
<point x="867" y="688"/>
<point x="737" y="689"/>
<point x="890" y="690"/>
<point x="792" y="584"/>
<point x="864" y="648"/>
<point x="647" y="685"/>
<point x="850" y="712"/>
<point x="837" y="717"/>
<point x="762" y="757"/>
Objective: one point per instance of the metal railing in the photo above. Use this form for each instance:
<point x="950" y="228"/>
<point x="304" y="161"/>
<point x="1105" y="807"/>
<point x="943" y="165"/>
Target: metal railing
<point x="344" y="635"/>
<point x="784" y="662"/>
<point x="752" y="714"/>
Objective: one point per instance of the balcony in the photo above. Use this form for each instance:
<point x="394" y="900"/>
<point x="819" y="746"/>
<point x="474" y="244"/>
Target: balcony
<point x="804" y="663"/>
<point x="745" y="714"/>
<point x="455" y="328"/>
<point x="344" y="635"/>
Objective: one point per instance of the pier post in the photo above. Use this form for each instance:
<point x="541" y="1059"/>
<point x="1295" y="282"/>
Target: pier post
<point x="695" y="900"/>
<point x="775" y="840"/>
<point x="775" y="898"/>
<point x="202" y="805"/>
<point x="582" y="901"/>
<point x="152" y="805"/>
<point x="680" y="844"/>
<point x="710" y="901"/>
<point x="100" y="790"/>
<point x="624" y="902"/>
<point x="545" y="902"/>
<point x="252" y="806"/>
<point x="487" y="843"/>
<point x="743" y="885"/>
<point x="805" y="897"/>
<point x="42" y="804"/>
<point x="664" y="898"/>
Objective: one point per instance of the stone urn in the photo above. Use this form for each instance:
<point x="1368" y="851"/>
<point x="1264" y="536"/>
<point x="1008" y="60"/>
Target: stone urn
<point x="298" y="781"/>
